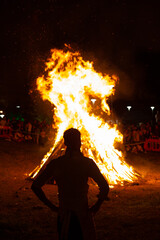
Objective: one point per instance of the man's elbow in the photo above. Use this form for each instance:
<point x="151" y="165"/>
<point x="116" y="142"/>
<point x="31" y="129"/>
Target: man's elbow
<point x="108" y="188"/>
<point x="34" y="186"/>
<point x="104" y="192"/>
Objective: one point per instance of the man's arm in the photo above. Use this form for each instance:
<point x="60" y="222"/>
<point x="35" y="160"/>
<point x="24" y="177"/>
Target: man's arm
<point x="96" y="175"/>
<point x="38" y="184"/>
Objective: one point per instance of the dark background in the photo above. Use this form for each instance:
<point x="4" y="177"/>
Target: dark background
<point x="121" y="37"/>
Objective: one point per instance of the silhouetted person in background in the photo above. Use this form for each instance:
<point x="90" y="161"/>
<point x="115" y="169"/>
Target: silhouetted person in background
<point x="71" y="173"/>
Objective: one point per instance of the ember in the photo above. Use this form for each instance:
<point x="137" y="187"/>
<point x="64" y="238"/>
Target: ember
<point x="69" y="83"/>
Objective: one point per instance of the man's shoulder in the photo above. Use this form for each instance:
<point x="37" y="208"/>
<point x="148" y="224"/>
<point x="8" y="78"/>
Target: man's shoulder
<point x="55" y="161"/>
<point x="88" y="160"/>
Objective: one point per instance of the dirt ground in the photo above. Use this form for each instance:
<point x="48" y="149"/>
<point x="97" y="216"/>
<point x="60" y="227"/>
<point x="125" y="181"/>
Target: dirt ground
<point x="133" y="212"/>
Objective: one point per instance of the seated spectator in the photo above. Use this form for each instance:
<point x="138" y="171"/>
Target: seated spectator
<point x="139" y="148"/>
<point x="28" y="137"/>
<point x="134" y="149"/>
<point x="18" y="136"/>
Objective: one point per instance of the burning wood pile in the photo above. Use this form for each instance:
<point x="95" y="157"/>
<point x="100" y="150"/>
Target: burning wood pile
<point x="69" y="82"/>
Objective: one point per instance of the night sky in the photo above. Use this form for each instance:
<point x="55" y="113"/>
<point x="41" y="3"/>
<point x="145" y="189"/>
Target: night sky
<point x="122" y="36"/>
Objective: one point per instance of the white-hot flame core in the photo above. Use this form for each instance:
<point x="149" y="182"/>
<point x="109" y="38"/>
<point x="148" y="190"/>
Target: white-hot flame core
<point x="68" y="83"/>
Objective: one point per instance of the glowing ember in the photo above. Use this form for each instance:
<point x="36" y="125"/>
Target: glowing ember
<point x="70" y="83"/>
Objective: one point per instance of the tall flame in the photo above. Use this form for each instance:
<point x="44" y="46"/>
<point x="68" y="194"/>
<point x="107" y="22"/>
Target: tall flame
<point x="69" y="82"/>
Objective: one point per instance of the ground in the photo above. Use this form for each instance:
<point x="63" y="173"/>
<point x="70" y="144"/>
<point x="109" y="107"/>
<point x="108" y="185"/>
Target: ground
<point x="132" y="213"/>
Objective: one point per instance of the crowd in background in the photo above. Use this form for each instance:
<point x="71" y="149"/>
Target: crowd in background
<point x="40" y="132"/>
<point x="135" y="135"/>
<point x="141" y="132"/>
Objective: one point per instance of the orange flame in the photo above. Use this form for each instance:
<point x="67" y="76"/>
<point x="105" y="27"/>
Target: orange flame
<point x="69" y="83"/>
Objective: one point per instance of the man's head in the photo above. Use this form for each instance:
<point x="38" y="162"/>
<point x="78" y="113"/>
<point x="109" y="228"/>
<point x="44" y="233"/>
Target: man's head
<point x="72" y="139"/>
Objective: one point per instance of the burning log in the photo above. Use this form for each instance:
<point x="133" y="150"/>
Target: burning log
<point x="57" y="151"/>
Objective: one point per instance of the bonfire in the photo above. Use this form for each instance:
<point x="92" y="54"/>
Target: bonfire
<point x="73" y="85"/>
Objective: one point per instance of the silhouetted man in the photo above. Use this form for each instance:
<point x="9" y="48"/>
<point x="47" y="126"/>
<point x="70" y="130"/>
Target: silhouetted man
<point x="71" y="173"/>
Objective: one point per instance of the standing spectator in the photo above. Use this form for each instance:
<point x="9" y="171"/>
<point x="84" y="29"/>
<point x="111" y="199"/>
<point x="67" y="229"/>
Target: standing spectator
<point x="42" y="137"/>
<point x="135" y="134"/>
<point x="13" y="124"/>
<point x="28" y="129"/>
<point x="148" y="130"/>
<point x="157" y="117"/>
<point x="156" y="130"/>
<point x="3" y="122"/>
<point x="36" y="132"/>
<point x="20" y="125"/>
